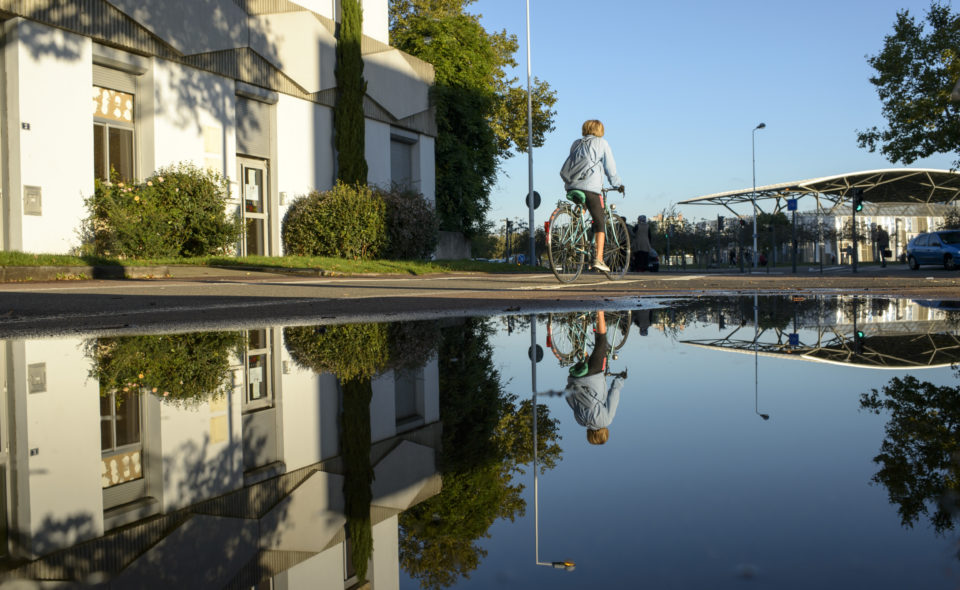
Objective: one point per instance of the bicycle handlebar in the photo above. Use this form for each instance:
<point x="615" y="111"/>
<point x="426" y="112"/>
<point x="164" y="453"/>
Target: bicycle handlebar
<point x="618" y="189"/>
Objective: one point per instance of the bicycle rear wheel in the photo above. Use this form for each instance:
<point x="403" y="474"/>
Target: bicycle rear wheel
<point x="563" y="245"/>
<point x="618" y="328"/>
<point x="616" y="248"/>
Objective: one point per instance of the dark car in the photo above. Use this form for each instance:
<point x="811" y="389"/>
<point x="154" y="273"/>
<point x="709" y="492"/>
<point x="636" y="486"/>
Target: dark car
<point x="939" y="247"/>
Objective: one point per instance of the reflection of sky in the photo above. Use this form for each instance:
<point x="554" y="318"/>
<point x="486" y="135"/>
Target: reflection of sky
<point x="694" y="488"/>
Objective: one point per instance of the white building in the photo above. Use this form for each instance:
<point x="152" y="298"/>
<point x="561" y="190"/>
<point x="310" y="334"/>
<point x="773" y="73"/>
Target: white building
<point x="239" y="489"/>
<point x="245" y="87"/>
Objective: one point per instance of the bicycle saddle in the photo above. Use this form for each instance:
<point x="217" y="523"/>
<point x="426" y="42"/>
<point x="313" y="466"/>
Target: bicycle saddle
<point x="577" y="197"/>
<point x="580" y="369"/>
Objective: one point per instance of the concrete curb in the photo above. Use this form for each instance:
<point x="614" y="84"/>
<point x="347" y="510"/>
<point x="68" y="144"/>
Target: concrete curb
<point x="22" y="274"/>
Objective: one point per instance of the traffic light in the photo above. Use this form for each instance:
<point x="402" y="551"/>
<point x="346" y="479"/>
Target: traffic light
<point x="858" y="199"/>
<point x="858" y="342"/>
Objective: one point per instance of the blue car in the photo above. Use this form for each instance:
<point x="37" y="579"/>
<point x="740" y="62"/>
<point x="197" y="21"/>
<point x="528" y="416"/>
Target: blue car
<point x="939" y="247"/>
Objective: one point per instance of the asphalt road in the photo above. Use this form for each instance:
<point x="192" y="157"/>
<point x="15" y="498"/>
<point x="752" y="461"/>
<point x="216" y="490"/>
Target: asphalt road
<point x="237" y="299"/>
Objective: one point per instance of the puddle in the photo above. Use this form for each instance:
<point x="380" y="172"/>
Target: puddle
<point x="711" y="442"/>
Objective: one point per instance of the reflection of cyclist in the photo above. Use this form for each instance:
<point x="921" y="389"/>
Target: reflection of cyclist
<point x="591" y="183"/>
<point x="593" y="406"/>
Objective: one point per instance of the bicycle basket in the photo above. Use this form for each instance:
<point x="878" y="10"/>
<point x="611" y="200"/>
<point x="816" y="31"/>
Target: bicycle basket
<point x="577" y="197"/>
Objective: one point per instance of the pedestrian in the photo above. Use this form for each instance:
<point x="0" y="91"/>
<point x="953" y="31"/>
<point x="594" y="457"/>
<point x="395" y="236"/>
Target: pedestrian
<point x="640" y="245"/>
<point x="590" y="158"/>
<point x="883" y="245"/>
<point x="593" y="405"/>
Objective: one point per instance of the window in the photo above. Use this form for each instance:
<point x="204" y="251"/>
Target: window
<point x="403" y="159"/>
<point x="408" y="398"/>
<point x="113" y="126"/>
<point x="121" y="446"/>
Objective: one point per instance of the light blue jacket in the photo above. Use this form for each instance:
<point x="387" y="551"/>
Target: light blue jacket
<point x="592" y="406"/>
<point x="600" y="153"/>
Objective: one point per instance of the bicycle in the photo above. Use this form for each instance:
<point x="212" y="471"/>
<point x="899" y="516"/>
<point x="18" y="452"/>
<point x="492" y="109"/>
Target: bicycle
<point x="570" y="335"/>
<point x="569" y="238"/>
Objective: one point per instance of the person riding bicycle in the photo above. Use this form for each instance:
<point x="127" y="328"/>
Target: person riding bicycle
<point x="586" y="393"/>
<point x="591" y="182"/>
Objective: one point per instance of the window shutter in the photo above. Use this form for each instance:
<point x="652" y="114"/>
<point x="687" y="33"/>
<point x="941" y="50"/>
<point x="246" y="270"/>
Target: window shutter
<point x="253" y="128"/>
<point x="114" y="79"/>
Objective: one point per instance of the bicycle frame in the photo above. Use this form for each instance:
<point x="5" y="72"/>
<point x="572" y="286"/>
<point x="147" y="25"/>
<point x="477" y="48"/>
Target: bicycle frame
<point x="576" y="243"/>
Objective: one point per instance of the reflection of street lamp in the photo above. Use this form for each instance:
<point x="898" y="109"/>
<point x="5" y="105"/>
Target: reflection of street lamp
<point x="753" y="149"/>
<point x="756" y="355"/>
<point x="566" y="565"/>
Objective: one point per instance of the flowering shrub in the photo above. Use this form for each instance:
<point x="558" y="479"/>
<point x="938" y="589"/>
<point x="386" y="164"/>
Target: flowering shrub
<point x="182" y="369"/>
<point x="179" y="211"/>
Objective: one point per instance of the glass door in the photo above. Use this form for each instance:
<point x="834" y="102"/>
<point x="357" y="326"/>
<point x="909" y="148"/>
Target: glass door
<point x="253" y="175"/>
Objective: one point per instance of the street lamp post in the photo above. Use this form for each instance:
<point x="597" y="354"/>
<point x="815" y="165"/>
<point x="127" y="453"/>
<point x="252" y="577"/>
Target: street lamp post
<point x="533" y="246"/>
<point x="566" y="564"/>
<point x="756" y="363"/>
<point x="753" y="147"/>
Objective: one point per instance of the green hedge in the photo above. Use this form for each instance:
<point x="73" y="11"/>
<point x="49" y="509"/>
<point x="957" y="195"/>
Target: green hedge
<point x="362" y="351"/>
<point x="358" y="222"/>
<point x="180" y="211"/>
<point x="412" y="225"/>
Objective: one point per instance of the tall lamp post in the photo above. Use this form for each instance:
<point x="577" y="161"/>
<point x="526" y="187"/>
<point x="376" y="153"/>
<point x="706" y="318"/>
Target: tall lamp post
<point x="566" y="564"/>
<point x="533" y="247"/>
<point x="753" y="148"/>
<point x="756" y="360"/>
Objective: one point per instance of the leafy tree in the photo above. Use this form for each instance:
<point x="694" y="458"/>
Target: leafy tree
<point x="918" y="459"/>
<point x="951" y="220"/>
<point x="487" y="437"/>
<point x="481" y="113"/>
<point x="351" y="87"/>
<point x="916" y="71"/>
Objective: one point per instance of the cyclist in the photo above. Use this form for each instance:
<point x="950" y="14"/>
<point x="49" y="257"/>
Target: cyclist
<point x="599" y="153"/>
<point x="586" y="393"/>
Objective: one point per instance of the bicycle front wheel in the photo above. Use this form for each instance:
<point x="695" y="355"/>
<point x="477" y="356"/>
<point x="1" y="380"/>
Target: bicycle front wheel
<point x="563" y="245"/>
<point x="616" y="248"/>
<point x="566" y="336"/>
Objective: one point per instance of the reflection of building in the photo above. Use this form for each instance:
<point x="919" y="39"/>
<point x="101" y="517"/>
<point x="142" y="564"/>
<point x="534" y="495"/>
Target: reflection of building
<point x="233" y="491"/>
<point x="897" y="334"/>
<point x="245" y="87"/>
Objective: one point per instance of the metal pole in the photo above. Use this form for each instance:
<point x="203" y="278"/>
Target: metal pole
<point x="753" y="148"/>
<point x="533" y="246"/>
<point x="794" y="243"/>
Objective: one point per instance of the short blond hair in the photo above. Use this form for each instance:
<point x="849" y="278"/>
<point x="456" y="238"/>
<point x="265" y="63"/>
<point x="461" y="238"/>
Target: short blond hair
<point x="597" y="437"/>
<point x="593" y="127"/>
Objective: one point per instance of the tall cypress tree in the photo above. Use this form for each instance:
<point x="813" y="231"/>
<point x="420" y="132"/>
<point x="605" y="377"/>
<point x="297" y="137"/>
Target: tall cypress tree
<point x="348" y="121"/>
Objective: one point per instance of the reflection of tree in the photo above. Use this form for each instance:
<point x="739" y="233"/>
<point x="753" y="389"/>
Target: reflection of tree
<point x="486" y="440"/>
<point x="361" y="350"/>
<point x="919" y="457"/>
<point x="358" y="473"/>
<point x="180" y="368"/>
<point x="355" y="353"/>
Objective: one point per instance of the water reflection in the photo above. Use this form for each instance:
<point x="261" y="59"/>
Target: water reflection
<point x="238" y="457"/>
<point x="400" y="455"/>
<point x="918" y="459"/>
<point x="487" y="439"/>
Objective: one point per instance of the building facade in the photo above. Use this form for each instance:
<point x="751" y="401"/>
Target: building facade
<point x="244" y="87"/>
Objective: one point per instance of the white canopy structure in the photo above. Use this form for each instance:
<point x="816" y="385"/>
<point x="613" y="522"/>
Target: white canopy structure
<point x="904" y="185"/>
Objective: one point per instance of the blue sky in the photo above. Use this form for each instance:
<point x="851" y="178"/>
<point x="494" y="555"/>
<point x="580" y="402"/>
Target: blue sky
<point x="680" y="86"/>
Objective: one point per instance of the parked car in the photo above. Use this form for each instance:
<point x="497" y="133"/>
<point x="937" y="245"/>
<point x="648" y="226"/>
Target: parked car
<point x="939" y="247"/>
<point x="653" y="262"/>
